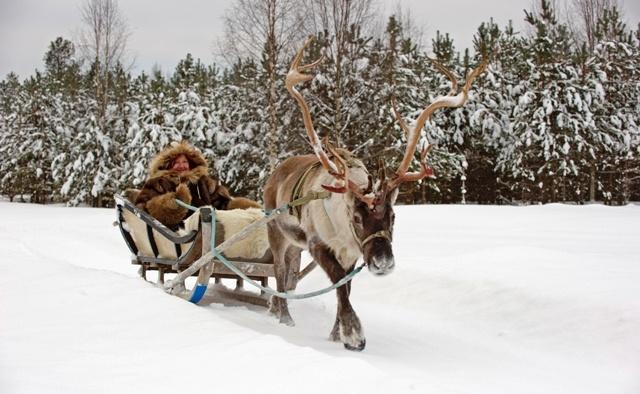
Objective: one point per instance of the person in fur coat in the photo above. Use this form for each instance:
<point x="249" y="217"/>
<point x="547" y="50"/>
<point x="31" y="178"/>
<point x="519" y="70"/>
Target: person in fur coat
<point x="181" y="171"/>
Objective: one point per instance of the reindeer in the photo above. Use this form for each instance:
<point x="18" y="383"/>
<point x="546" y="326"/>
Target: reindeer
<point x="355" y="219"/>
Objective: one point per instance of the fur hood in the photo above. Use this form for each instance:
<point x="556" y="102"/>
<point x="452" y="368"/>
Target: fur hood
<point x="161" y="164"/>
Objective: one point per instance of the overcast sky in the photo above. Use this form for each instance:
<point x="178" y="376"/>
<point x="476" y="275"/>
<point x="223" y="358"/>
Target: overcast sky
<point x="163" y="32"/>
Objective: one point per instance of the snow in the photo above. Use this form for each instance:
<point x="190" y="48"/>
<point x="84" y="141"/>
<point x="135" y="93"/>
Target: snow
<point x="484" y="299"/>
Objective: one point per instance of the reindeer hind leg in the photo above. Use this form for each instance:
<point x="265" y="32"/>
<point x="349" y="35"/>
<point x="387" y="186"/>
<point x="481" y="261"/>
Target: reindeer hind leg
<point x="279" y="244"/>
<point x="292" y="258"/>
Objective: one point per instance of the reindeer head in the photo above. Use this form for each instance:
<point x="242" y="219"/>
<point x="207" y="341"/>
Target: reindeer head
<point x="370" y="208"/>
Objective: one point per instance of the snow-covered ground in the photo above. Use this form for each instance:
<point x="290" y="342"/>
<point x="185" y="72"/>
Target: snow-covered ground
<point x="484" y="299"/>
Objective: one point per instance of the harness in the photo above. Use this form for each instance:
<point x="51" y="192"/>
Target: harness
<point x="292" y="207"/>
<point x="386" y="234"/>
<point x="201" y="288"/>
<point x="297" y="201"/>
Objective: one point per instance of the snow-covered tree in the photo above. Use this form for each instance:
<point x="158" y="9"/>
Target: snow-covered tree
<point x="13" y="108"/>
<point x="87" y="166"/>
<point x="547" y="121"/>
<point x="617" y="78"/>
<point x="240" y="155"/>
<point x="552" y="119"/>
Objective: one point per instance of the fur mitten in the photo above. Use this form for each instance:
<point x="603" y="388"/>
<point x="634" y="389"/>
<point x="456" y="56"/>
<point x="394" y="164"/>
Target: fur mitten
<point x="183" y="193"/>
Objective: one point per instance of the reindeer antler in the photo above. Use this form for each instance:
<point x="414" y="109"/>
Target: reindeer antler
<point x="452" y="100"/>
<point x="340" y="170"/>
<point x="294" y="77"/>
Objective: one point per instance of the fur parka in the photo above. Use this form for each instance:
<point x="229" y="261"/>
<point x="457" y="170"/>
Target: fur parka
<point x="194" y="187"/>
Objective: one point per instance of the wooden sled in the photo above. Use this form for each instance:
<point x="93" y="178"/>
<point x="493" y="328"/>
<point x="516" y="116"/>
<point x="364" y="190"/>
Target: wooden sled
<point x="155" y="247"/>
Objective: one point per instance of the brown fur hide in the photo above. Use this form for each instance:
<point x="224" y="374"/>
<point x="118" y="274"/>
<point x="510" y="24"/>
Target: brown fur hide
<point x="253" y="248"/>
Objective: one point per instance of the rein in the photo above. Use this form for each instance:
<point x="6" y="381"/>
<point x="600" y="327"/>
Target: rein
<point x="237" y="271"/>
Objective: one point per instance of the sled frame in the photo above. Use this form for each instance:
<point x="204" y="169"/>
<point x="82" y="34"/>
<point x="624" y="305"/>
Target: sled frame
<point x="258" y="271"/>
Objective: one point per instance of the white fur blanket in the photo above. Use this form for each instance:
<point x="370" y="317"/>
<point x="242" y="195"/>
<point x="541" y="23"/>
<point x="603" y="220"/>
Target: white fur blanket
<point x="228" y="223"/>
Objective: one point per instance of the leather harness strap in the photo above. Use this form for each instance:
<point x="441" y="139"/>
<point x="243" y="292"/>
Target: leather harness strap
<point x="297" y="201"/>
<point x="386" y="234"/>
<point x="152" y="240"/>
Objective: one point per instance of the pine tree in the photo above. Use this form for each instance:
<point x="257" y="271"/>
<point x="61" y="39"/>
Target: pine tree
<point x="506" y="81"/>
<point x="13" y="101"/>
<point x="37" y="140"/>
<point x="240" y="152"/>
<point x="552" y="119"/>
<point x="62" y="69"/>
<point x="148" y="124"/>
<point x="87" y="166"/>
<point x="481" y="120"/>
<point x="616" y="80"/>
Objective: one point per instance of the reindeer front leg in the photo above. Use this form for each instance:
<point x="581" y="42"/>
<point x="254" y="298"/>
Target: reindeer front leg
<point x="347" y="324"/>
<point x="335" y="331"/>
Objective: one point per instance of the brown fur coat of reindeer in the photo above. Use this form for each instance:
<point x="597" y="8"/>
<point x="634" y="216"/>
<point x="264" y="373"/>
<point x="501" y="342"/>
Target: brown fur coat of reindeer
<point x="355" y="221"/>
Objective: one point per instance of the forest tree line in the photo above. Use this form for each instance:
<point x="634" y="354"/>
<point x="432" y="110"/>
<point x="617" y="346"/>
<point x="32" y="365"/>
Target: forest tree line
<point x="553" y="119"/>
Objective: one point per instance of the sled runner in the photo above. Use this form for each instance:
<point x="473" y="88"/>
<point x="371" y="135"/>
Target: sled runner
<point x="155" y="247"/>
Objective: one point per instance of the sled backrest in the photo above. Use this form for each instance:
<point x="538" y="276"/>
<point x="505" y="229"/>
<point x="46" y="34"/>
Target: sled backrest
<point x="151" y="241"/>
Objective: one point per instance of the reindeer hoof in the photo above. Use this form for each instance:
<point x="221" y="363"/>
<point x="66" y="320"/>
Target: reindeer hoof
<point x="357" y="348"/>
<point x="280" y="310"/>
<point x="283" y="318"/>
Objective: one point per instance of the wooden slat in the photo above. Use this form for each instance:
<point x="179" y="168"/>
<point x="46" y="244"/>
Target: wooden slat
<point x="250" y="269"/>
<point x="207" y="269"/>
<point x="224" y="292"/>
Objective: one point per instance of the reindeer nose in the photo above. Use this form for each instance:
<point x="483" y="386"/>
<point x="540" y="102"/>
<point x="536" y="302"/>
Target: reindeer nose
<point x="382" y="265"/>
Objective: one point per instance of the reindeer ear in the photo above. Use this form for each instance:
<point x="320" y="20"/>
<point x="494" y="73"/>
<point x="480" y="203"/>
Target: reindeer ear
<point x="369" y="184"/>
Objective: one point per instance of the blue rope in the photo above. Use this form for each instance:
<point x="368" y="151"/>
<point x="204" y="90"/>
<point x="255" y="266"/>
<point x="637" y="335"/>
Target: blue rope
<point x="268" y="290"/>
<point x="185" y="205"/>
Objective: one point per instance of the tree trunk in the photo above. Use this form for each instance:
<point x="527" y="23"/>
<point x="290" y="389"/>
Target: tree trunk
<point x="273" y="125"/>
<point x="271" y="64"/>
<point x="626" y="183"/>
<point x="592" y="184"/>
<point x="338" y="102"/>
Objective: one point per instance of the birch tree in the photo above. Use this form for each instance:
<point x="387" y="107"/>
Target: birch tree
<point x="264" y="31"/>
<point x="342" y="22"/>
<point x="585" y="15"/>
<point x="103" y="42"/>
